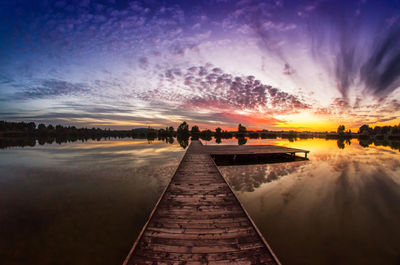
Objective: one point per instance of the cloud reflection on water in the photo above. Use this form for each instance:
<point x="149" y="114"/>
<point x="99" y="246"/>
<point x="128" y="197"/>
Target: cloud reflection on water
<point x="340" y="207"/>
<point x="79" y="203"/>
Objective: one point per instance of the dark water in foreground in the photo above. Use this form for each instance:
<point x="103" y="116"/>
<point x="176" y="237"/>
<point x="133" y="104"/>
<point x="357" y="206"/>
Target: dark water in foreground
<point x="81" y="203"/>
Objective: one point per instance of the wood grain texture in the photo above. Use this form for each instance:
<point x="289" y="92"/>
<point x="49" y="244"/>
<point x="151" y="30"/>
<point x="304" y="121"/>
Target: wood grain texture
<point x="199" y="220"/>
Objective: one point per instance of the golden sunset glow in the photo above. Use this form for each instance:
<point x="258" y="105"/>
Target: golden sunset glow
<point x="307" y="121"/>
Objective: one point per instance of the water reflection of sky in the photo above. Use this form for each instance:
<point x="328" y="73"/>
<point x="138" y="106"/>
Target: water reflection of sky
<point x="340" y="207"/>
<point x="79" y="203"/>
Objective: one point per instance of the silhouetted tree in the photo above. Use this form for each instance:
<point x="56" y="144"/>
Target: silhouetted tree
<point x="31" y="126"/>
<point x="171" y="131"/>
<point x="206" y="135"/>
<point x="151" y="133"/>
<point x="218" y="135"/>
<point x="195" y="132"/>
<point x="394" y="133"/>
<point x="42" y="127"/>
<point x="161" y="134"/>
<point x="195" y="129"/>
<point x="183" y="129"/>
<point x="241" y="128"/>
<point x="182" y="134"/>
<point x="365" y="130"/>
<point x="377" y="130"/>
<point x="341" y="129"/>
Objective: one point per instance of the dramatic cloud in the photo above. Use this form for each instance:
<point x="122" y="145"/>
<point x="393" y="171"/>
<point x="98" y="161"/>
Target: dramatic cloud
<point x="269" y="64"/>
<point x="341" y="29"/>
<point x="208" y="87"/>
<point x="381" y="72"/>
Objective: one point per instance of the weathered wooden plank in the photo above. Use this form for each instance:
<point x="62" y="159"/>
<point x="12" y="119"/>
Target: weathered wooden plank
<point x="182" y="225"/>
<point x="198" y="219"/>
<point x="198" y="249"/>
<point x="197" y="231"/>
<point x="194" y="236"/>
<point x="216" y="242"/>
<point x="203" y="216"/>
<point x="202" y="259"/>
<point x="196" y="201"/>
<point x="178" y="207"/>
<point x="172" y="256"/>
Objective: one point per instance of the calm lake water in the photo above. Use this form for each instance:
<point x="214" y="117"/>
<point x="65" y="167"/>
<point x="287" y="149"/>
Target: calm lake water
<point x="85" y="203"/>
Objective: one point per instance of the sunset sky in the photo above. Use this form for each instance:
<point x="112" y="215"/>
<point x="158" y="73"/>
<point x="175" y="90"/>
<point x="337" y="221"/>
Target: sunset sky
<point x="305" y="65"/>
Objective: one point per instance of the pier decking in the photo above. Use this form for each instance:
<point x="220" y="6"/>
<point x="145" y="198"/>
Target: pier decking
<point x="251" y="150"/>
<point x="199" y="220"/>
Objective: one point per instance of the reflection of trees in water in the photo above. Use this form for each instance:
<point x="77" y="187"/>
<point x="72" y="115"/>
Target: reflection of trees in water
<point x="365" y="142"/>
<point x="250" y="177"/>
<point x="242" y="140"/>
<point x="395" y="145"/>
<point x="41" y="140"/>
<point x="342" y="142"/>
<point x="20" y="142"/>
<point x="247" y="178"/>
<point x="344" y="195"/>
<point x="183" y="141"/>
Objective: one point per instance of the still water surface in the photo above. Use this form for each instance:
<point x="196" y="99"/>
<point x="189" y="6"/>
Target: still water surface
<point x="81" y="203"/>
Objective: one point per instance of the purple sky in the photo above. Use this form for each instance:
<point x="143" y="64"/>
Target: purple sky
<point x="275" y="64"/>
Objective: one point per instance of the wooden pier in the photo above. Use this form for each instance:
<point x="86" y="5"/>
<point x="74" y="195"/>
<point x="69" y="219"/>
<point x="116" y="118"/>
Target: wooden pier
<point x="251" y="150"/>
<point x="199" y="220"/>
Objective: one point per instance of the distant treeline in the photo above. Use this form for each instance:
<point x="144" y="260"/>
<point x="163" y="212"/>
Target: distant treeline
<point x="380" y="133"/>
<point x="26" y="134"/>
<point x="22" y="129"/>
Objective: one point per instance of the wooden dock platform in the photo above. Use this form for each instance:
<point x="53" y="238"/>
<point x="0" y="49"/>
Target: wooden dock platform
<point x="251" y="150"/>
<point x="199" y="220"/>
